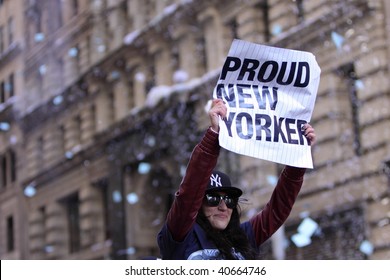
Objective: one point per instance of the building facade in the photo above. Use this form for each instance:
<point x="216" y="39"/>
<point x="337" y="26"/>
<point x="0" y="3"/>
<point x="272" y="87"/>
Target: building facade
<point x="102" y="102"/>
<point x="12" y="203"/>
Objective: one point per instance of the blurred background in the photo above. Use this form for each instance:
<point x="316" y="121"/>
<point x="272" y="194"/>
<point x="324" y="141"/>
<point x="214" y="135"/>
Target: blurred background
<point x="102" y="102"/>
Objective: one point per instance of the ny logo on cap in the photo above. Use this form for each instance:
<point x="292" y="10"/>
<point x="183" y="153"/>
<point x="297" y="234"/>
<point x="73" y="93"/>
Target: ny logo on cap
<point x="215" y="179"/>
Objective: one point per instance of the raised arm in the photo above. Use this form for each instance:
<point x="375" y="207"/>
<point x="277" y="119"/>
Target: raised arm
<point x="278" y="208"/>
<point x="188" y="198"/>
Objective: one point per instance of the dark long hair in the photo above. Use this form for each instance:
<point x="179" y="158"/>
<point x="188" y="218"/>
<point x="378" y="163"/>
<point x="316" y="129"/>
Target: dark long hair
<point x="231" y="237"/>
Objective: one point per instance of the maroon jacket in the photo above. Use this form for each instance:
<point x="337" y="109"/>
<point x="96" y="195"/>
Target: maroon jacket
<point x="188" y="201"/>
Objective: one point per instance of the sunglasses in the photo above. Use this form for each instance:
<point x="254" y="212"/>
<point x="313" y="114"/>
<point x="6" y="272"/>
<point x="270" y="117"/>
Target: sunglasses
<point x="214" y="200"/>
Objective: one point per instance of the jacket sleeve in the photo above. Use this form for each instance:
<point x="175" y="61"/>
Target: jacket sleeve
<point x="278" y="208"/>
<point x="188" y="199"/>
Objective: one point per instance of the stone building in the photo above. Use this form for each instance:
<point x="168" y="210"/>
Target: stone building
<point x="102" y="102"/>
<point x="12" y="203"/>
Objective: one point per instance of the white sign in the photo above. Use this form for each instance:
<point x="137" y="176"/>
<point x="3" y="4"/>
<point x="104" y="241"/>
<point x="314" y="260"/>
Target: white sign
<point x="270" y="93"/>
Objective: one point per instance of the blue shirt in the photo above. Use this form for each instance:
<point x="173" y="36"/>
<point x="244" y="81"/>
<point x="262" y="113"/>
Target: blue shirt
<point x="196" y="245"/>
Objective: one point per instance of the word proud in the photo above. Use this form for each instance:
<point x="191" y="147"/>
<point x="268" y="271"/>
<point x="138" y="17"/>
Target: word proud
<point x="284" y="73"/>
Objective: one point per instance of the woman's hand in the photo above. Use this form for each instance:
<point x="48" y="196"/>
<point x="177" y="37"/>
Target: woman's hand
<point x="218" y="109"/>
<point x="309" y="133"/>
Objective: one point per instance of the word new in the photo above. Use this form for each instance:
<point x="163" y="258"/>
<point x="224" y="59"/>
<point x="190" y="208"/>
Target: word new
<point x="247" y="96"/>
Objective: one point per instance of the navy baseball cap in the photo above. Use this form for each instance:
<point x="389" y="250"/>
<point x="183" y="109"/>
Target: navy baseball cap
<point x="219" y="181"/>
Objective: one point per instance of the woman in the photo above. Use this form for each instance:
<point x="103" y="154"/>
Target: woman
<point x="204" y="219"/>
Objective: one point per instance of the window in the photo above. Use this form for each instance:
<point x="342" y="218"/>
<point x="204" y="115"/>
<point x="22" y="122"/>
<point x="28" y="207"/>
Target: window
<point x="60" y="73"/>
<point x="10" y="234"/>
<point x="38" y="26"/>
<point x="2" y="92"/>
<point x="8" y="168"/>
<point x="201" y="52"/>
<point x="175" y="59"/>
<point x="7" y="89"/>
<point x="106" y="197"/>
<point x="151" y="81"/>
<point x="131" y="101"/>
<point x="40" y="150"/>
<point x="75" y="7"/>
<point x="42" y="225"/>
<point x="11" y="86"/>
<point x="300" y="10"/>
<point x="58" y="11"/>
<point x="349" y="74"/>
<point x="12" y="159"/>
<point x="386" y="169"/>
<point x="150" y="9"/>
<point x="3" y="162"/>
<point x="73" y="215"/>
<point x="160" y="183"/>
<point x="102" y="185"/>
<point x="61" y="139"/>
<point x="211" y="40"/>
<point x="11" y="30"/>
<point x="93" y="117"/>
<point x="263" y="12"/>
<point x="233" y="26"/>
<point x="39" y="83"/>
<point x="111" y="108"/>
<point x="1" y="40"/>
<point x="78" y="129"/>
